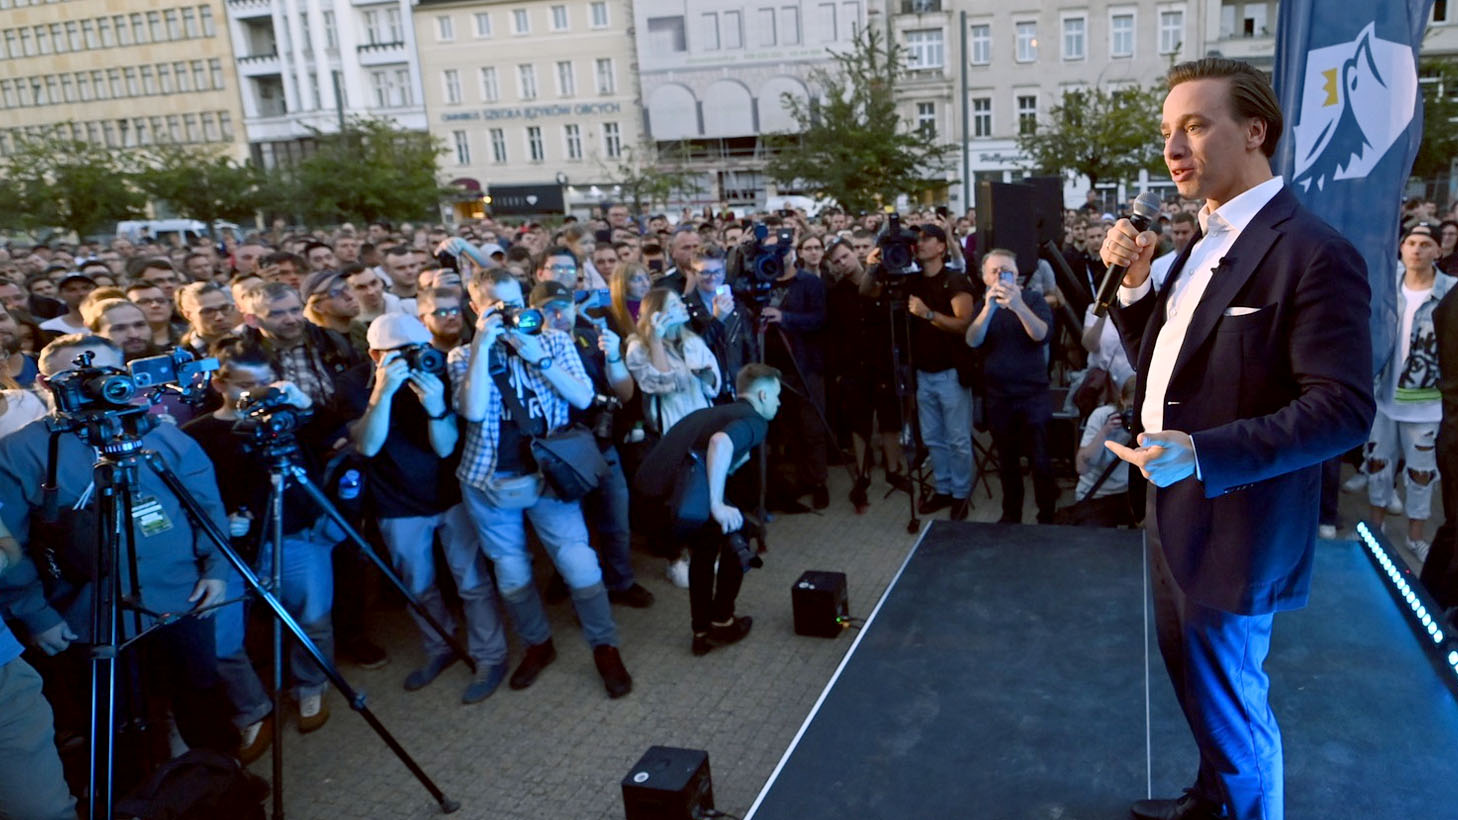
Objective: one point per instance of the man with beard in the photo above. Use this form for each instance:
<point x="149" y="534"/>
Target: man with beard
<point x="158" y="309"/>
<point x="305" y="354"/>
<point x="320" y="256"/>
<point x="329" y="304"/>
<point x="124" y="324"/>
<point x="441" y="312"/>
<point x="210" y="315"/>
<point x="13" y="362"/>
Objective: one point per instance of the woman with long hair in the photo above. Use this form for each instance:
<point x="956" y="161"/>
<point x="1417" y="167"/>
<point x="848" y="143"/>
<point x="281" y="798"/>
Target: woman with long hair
<point x="810" y="254"/>
<point x="630" y="283"/>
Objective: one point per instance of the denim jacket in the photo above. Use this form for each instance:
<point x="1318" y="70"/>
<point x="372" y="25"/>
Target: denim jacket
<point x="1417" y="375"/>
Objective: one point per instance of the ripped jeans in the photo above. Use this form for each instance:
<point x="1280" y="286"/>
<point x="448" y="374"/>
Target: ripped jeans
<point x="1415" y="442"/>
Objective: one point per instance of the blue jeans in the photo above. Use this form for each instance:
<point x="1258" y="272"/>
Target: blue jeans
<point x="245" y="691"/>
<point x="944" y="408"/>
<point x="308" y="595"/>
<point x="563" y="533"/>
<point x="409" y="541"/>
<point x="607" y="509"/>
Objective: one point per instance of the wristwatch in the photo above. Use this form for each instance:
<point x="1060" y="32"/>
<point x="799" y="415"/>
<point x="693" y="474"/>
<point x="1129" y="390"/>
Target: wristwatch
<point x="543" y="363"/>
<point x="443" y="414"/>
<point x="931" y="315"/>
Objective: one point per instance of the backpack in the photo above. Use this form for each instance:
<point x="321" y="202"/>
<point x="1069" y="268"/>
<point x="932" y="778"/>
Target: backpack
<point x="199" y="785"/>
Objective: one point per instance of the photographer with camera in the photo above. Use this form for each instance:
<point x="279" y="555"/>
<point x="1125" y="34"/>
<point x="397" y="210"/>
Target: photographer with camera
<point x="252" y="395"/>
<point x="178" y="569"/>
<point x="1012" y="334"/>
<point x="605" y="508"/>
<point x="684" y="477"/>
<point x="408" y="436"/>
<point x="514" y="382"/>
<point x="942" y="300"/>
<point x="1102" y="496"/>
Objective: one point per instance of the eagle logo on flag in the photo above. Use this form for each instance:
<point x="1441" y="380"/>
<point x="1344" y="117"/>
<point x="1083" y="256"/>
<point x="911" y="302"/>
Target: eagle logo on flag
<point x="1356" y="100"/>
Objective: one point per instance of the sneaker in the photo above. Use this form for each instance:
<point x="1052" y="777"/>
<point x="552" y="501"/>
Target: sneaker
<point x="677" y="572"/>
<point x="364" y="653"/>
<point x="820" y="497"/>
<point x="536" y="659"/>
<point x="1419" y="548"/>
<point x="634" y="596"/>
<point x="938" y="501"/>
<point x="1355" y="484"/>
<point x="1327" y="531"/>
<point x="257" y="737"/>
<point x="732" y="632"/>
<point x="960" y="506"/>
<point x="615" y="677"/>
<point x="313" y="713"/>
<point x="1394" y="507"/>
<point x="420" y="678"/>
<point x="487" y="679"/>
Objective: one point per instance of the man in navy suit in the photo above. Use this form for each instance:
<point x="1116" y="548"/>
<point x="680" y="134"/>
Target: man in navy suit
<point x="1254" y="363"/>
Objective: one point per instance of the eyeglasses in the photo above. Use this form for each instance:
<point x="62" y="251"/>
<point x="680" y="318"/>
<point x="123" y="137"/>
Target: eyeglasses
<point x="214" y="311"/>
<point x="442" y="313"/>
<point x="155" y="300"/>
<point x="562" y="268"/>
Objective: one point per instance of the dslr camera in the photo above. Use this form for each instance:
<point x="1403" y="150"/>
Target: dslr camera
<point x="267" y="417"/>
<point x="527" y="320"/>
<point x="422" y="358"/>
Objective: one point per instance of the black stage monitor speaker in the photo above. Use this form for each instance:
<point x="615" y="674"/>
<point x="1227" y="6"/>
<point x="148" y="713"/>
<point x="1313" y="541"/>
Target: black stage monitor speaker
<point x="819" y="599"/>
<point x="1048" y="208"/>
<point x="668" y="784"/>
<point x="1007" y="219"/>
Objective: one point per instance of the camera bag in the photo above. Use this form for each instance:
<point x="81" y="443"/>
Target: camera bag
<point x="568" y="459"/>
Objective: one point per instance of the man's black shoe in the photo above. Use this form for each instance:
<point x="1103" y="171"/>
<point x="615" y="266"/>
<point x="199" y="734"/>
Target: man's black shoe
<point x="537" y="658"/>
<point x="939" y="501"/>
<point x="858" y="497"/>
<point x="732" y="632"/>
<point x="635" y="596"/>
<point x="364" y="653"/>
<point x="960" y="506"/>
<point x="1187" y="806"/>
<point x="820" y="497"/>
<point x="701" y="645"/>
<point x="615" y="677"/>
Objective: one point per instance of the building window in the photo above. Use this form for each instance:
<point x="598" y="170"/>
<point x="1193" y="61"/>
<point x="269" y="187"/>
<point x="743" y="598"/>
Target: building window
<point x="789" y="25"/>
<point x="174" y="28"/>
<point x="68" y="90"/>
<point x="164" y="78"/>
<point x="189" y="22"/>
<point x="179" y="70"/>
<point x="215" y="69"/>
<point x="225" y="125"/>
<point x="521" y="22"/>
<point x="981" y="116"/>
<point x="559" y="18"/>
<point x="607" y="82"/>
<point x="483" y="24"/>
<point x="924" y="48"/>
<point x="134" y="89"/>
<point x="73" y="37"/>
<point x="103" y="32"/>
<point x="154" y="27"/>
<point x="205" y="14"/>
<point x="981" y="44"/>
<point x="926" y="119"/>
<point x="392" y="20"/>
<point x="149" y="81"/>
<point x="331" y="31"/>
<point x="709" y="25"/>
<point x="1027" y="42"/>
<point x="139" y="30"/>
<point x="490" y="88"/>
<point x="1074" y="29"/>
<point x="612" y="141"/>
<point x="445" y="29"/>
<point x="451" y="82"/>
<point x="1171" y="31"/>
<point x="572" y="140"/>
<point x="766" y="27"/>
<point x="566" y="79"/>
<point x="463" y="147"/>
<point x="380" y="85"/>
<point x="209" y="127"/>
<point x="535" y="150"/>
<point x="825" y="22"/>
<point x="498" y="146"/>
<point x="1121" y="35"/>
<point x="665" y="34"/>
<point x="526" y="80"/>
<point x="199" y="76"/>
<point x="1027" y="113"/>
<point x="189" y="127"/>
<point x="599" y="12"/>
<point x="373" y="33"/>
<point x="88" y="30"/>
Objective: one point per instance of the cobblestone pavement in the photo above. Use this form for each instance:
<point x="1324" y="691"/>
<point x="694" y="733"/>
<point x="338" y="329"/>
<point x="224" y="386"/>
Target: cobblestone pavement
<point x="560" y="748"/>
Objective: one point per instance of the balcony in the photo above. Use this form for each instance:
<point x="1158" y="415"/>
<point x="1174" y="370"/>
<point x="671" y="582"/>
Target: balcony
<point x="373" y="54"/>
<point x="258" y="65"/>
<point x="912" y="6"/>
<point x="243" y="9"/>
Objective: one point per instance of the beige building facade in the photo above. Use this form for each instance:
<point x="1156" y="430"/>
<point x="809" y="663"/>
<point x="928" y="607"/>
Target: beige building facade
<point x="537" y="93"/>
<point x="119" y="74"/>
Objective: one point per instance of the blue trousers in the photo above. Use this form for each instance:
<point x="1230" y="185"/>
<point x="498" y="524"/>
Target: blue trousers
<point x="1214" y="661"/>
<point x="606" y="509"/>
<point x="944" y="408"/>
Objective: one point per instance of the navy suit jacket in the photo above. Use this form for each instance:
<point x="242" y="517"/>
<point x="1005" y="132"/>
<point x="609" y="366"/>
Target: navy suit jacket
<point x="1267" y="396"/>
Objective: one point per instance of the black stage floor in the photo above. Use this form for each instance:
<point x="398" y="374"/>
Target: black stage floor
<point x="1003" y="675"/>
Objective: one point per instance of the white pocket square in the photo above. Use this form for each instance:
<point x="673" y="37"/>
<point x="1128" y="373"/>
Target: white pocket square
<point x="1241" y="311"/>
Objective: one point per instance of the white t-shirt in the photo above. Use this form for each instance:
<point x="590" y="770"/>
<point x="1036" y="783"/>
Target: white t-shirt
<point x="1111" y="355"/>
<point x="21" y="408"/>
<point x="1118" y="480"/>
<point x="1426" y="411"/>
<point x="61" y="324"/>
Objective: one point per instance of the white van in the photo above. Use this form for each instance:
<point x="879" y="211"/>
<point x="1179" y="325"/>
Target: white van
<point x="162" y="231"/>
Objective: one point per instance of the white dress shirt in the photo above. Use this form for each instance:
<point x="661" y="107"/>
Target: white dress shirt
<point x="1220" y="229"/>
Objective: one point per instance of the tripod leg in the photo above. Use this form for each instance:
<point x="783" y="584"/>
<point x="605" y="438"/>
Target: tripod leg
<point x="322" y="502"/>
<point x="356" y="699"/>
<point x="104" y="643"/>
<point x="275" y="518"/>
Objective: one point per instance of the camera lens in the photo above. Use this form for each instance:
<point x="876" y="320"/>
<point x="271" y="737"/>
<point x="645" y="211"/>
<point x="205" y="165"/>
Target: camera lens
<point x="112" y="388"/>
<point x="530" y="321"/>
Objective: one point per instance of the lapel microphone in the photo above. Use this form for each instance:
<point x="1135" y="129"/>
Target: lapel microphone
<point x="1146" y="210"/>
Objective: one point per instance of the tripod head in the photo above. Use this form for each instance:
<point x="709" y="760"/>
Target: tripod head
<point x="267" y="422"/>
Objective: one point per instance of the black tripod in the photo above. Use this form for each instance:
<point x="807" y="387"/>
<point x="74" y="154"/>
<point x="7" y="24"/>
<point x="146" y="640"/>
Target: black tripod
<point x="909" y="423"/>
<point x="281" y="454"/>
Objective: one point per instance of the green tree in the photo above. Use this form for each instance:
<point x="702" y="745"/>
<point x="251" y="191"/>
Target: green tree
<point x="372" y="170"/>
<point x="1099" y="134"/>
<point x="202" y="183"/>
<point x="55" y="182"/>
<point x="1440" y="111"/>
<point x="651" y="177"/>
<point x="851" y="144"/>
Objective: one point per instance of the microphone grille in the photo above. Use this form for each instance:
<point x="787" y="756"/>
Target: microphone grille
<point x="1145" y="209"/>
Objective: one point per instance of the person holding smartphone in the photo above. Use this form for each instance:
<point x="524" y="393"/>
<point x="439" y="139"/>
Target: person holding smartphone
<point x="1012" y="333"/>
<point x="723" y="324"/>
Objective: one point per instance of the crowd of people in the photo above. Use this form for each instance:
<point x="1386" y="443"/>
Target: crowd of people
<point x="656" y="339"/>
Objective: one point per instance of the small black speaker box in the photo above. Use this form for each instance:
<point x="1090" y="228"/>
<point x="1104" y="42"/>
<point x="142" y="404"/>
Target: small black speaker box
<point x="668" y="784"/>
<point x="818" y="599"/>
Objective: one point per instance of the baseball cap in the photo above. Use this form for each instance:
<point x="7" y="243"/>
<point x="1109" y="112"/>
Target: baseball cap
<point x="1429" y="229"/>
<point x="393" y="330"/>
<point x="491" y="249"/>
<point x="547" y="292"/>
<point x="71" y="277"/>
<point x="934" y="231"/>
<point x="320" y="282"/>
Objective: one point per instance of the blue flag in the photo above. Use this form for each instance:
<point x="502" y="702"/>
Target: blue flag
<point x="1348" y="86"/>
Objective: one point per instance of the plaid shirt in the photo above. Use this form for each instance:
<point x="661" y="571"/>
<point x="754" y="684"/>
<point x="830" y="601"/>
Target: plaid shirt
<point x="301" y="365"/>
<point x="478" y="456"/>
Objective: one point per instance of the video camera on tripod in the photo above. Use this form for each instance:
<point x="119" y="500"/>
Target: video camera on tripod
<point x="753" y="268"/>
<point x="897" y="244"/>
<point x="88" y="388"/>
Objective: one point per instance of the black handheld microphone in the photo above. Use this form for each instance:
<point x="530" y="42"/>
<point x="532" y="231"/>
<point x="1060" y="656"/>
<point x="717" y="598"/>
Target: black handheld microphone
<point x="1146" y="210"/>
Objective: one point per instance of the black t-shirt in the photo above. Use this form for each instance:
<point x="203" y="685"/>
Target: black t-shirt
<point x="738" y="420"/>
<point x="405" y="479"/>
<point x="1013" y="365"/>
<point x="243" y="478"/>
<point x="934" y="350"/>
<point x="513" y="448"/>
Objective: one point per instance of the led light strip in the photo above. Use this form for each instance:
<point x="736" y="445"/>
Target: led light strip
<point x="1413" y="595"/>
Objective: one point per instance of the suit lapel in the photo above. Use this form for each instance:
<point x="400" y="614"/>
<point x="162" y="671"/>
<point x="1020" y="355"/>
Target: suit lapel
<point x="1233" y="271"/>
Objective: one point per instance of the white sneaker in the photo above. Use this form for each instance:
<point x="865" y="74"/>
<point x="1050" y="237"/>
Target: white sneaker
<point x="1327" y="531"/>
<point x="1394" y="506"/>
<point x="1355" y="484"/>
<point x="678" y="573"/>
<point x="1419" y="548"/>
<point x="250" y="733"/>
<point x="309" y="705"/>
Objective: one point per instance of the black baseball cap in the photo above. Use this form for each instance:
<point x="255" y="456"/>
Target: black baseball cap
<point x="548" y="292"/>
<point x="934" y="231"/>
